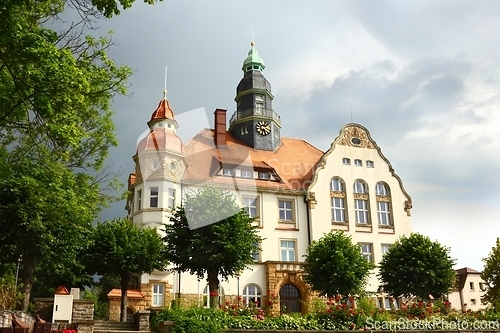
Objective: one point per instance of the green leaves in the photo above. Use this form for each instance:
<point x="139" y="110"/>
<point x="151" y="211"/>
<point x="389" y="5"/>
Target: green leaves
<point x="335" y="266"/>
<point x="416" y="266"/>
<point x="491" y="276"/>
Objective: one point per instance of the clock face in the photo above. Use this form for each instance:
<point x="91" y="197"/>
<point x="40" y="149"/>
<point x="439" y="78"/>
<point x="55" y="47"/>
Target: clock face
<point x="263" y="128"/>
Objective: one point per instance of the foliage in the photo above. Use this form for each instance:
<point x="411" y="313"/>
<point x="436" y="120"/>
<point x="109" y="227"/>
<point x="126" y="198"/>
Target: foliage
<point x="223" y="248"/>
<point x="101" y="309"/>
<point x="416" y="266"/>
<point x="47" y="213"/>
<point x="335" y="266"/>
<point x="121" y="248"/>
<point x="9" y="292"/>
<point x="491" y="276"/>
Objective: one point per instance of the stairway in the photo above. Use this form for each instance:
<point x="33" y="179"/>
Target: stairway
<point x="114" y="327"/>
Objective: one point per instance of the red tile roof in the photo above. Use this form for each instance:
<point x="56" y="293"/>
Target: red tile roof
<point x="161" y="139"/>
<point x="117" y="293"/>
<point x="163" y="111"/>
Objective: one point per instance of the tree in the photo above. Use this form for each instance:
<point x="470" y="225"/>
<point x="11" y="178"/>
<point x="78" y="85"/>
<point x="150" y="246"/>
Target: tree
<point x="222" y="248"/>
<point x="121" y="248"/>
<point x="335" y="266"/>
<point x="491" y="275"/>
<point x="416" y="266"/>
<point x="47" y="213"/>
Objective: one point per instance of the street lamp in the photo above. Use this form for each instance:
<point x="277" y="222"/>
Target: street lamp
<point x="17" y="269"/>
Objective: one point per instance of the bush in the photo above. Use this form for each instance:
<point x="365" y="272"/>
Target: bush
<point x="9" y="294"/>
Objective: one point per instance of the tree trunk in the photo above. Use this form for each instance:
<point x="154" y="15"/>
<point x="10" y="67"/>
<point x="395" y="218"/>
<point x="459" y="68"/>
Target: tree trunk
<point x="213" y="287"/>
<point x="125" y="279"/>
<point x="27" y="280"/>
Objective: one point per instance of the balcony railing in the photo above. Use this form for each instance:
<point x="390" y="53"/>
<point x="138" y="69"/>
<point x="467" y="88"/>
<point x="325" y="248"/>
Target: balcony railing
<point x="284" y="266"/>
<point x="250" y="112"/>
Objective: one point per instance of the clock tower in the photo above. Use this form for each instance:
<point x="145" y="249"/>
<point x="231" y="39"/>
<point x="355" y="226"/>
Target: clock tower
<point x="254" y="122"/>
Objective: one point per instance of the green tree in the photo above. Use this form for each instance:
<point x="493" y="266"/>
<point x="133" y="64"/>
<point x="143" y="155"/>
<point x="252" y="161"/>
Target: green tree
<point x="335" y="266"/>
<point x="210" y="234"/>
<point x="416" y="266"/>
<point x="491" y="276"/>
<point x="121" y="248"/>
<point x="47" y="213"/>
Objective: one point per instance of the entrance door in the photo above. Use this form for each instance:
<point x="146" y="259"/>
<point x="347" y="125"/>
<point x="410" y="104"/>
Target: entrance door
<point x="290" y="299"/>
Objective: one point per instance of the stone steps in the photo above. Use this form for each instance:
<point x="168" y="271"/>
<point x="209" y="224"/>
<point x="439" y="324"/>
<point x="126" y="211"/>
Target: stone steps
<point x="114" y="326"/>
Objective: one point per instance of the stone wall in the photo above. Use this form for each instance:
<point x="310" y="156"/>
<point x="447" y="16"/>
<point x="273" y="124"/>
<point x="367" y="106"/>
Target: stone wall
<point x="6" y="318"/>
<point x="83" y="312"/>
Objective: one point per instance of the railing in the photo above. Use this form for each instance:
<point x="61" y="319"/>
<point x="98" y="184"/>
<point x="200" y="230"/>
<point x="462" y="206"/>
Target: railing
<point x="251" y="112"/>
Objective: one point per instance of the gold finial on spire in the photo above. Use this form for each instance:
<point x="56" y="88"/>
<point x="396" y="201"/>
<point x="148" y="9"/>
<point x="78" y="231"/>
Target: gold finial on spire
<point x="165" y="86"/>
<point x="252" y="43"/>
<point x="164" y="93"/>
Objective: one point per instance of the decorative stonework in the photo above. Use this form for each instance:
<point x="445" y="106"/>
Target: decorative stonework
<point x="360" y="196"/>
<point x="336" y="194"/>
<point x="312" y="199"/>
<point x="355" y="136"/>
<point x="384" y="198"/>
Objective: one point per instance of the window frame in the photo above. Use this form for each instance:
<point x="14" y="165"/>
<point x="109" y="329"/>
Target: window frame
<point x="385" y="245"/>
<point x="361" y="213"/>
<point x="256" y="199"/>
<point x="250" y="174"/>
<point x="365" y="253"/>
<point x="290" y="210"/>
<point x="257" y="295"/>
<point x="338" y="210"/>
<point x="159" y="296"/>
<point x="154" y="199"/>
<point x="346" y="161"/>
<point x="287" y="249"/>
<point x="358" y="162"/>
<point x="370" y="164"/>
<point x="171" y="198"/>
<point x="384" y="216"/>
<point x="139" y="199"/>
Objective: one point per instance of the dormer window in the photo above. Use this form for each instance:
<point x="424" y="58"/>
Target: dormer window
<point x="264" y="175"/>
<point x="246" y="174"/>
<point x="346" y="161"/>
<point x="228" y="172"/>
<point x="358" y="163"/>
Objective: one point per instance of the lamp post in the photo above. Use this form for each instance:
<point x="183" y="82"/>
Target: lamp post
<point x="17" y="269"/>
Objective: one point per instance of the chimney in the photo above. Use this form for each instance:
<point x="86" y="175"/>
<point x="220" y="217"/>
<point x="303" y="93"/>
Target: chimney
<point x="220" y="128"/>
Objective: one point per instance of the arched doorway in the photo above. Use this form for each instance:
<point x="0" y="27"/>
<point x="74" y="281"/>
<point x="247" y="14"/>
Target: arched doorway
<point x="130" y="314"/>
<point x="290" y="299"/>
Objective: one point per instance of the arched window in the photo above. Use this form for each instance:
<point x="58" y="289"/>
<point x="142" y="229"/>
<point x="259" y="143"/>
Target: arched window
<point x="337" y="196"/>
<point x="383" y="204"/>
<point x="206" y="296"/>
<point x="361" y="202"/>
<point x="252" y="294"/>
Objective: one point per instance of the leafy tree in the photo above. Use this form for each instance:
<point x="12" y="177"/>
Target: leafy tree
<point x="47" y="213"/>
<point x="222" y="246"/>
<point x="416" y="266"/>
<point x="491" y="275"/>
<point x="121" y="248"/>
<point x="335" y="266"/>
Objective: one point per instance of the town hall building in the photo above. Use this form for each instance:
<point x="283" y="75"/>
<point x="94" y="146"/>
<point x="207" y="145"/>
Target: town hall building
<point x="295" y="192"/>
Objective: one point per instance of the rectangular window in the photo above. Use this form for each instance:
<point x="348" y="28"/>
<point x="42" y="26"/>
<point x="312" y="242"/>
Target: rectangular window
<point x="471" y="285"/>
<point x="256" y="255"/>
<point x="346" y="161"/>
<point x="338" y="210"/>
<point x="251" y="206"/>
<point x="263" y="175"/>
<point x="171" y="198"/>
<point x="287" y="250"/>
<point x="385" y="248"/>
<point x="246" y="174"/>
<point x="361" y="210"/>
<point x="227" y="172"/>
<point x="153" y="197"/>
<point x="366" y="250"/>
<point x="139" y="199"/>
<point x="384" y="215"/>
<point x="285" y="210"/>
<point x="358" y="163"/>
<point x="158" y="295"/>
<point x="481" y="286"/>
<point x="369" y="164"/>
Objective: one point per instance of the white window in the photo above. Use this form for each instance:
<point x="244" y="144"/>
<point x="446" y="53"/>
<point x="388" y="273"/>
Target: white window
<point x="158" y="295"/>
<point x="336" y="185"/>
<point x="287" y="250"/>
<point x="259" y="104"/>
<point x="252" y="294"/>
<point x="346" y="161"/>
<point x="206" y="296"/>
<point x="228" y="172"/>
<point x="153" y="197"/>
<point x="369" y="164"/>
<point x="338" y="210"/>
<point x="139" y="199"/>
<point x="263" y="175"/>
<point x="366" y="251"/>
<point x="246" y="174"/>
<point x="361" y="210"/>
<point x="381" y="189"/>
<point x="250" y="205"/>
<point x="358" y="163"/>
<point x="359" y="187"/>
<point x="256" y="254"/>
<point x="171" y="198"/>
<point x="285" y="210"/>
<point x="481" y="286"/>
<point x="384" y="214"/>
<point x="385" y="248"/>
<point x="244" y="130"/>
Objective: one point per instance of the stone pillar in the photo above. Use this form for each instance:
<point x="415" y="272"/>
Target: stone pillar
<point x="142" y="320"/>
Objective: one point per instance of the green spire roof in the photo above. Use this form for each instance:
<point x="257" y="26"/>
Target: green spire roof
<point x="253" y="61"/>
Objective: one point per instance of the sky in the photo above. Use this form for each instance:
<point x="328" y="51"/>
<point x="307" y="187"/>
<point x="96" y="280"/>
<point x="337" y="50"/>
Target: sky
<point x="422" y="76"/>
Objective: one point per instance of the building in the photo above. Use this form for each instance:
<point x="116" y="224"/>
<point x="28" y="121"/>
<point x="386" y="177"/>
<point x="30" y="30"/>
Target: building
<point x="295" y="191"/>
<point x="469" y="292"/>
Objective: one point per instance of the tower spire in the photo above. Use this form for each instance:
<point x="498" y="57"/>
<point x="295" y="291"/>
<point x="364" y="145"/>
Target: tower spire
<point x="165" y="85"/>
